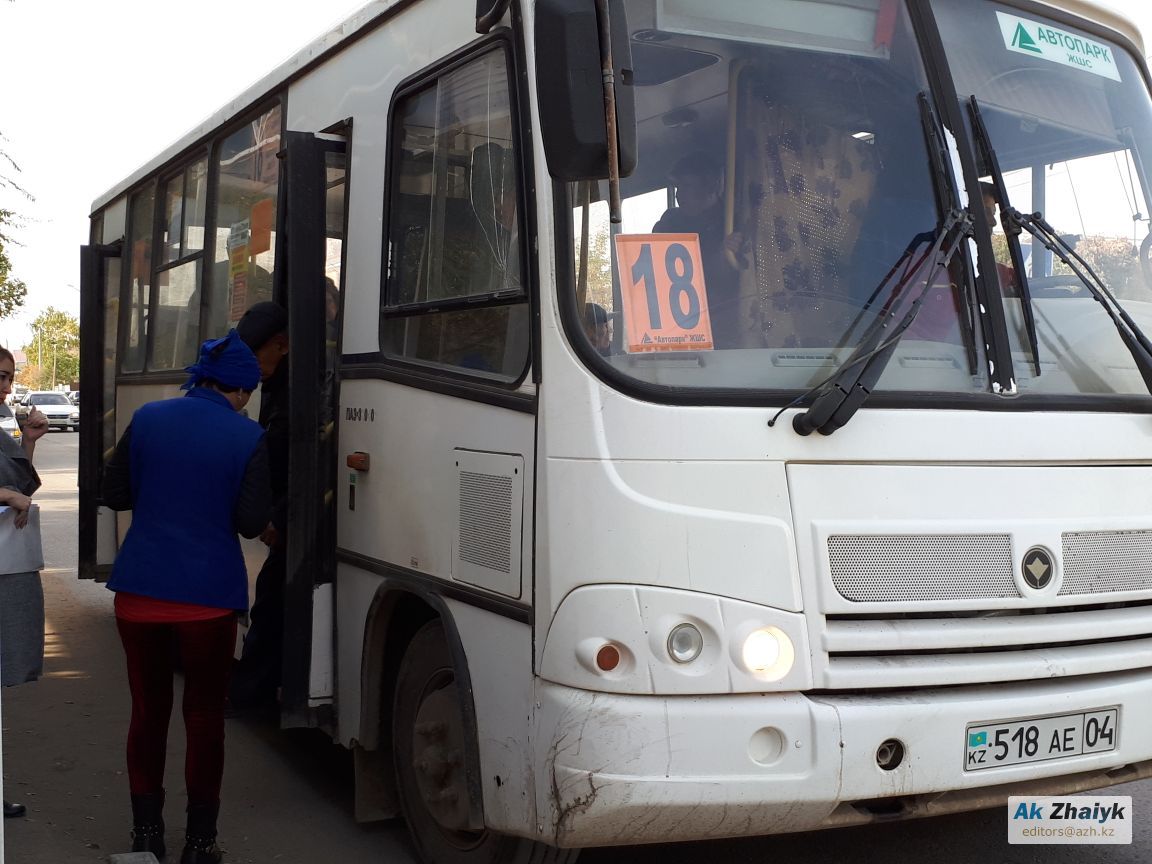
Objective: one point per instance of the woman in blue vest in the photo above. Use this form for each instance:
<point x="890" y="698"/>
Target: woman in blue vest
<point x="194" y="472"/>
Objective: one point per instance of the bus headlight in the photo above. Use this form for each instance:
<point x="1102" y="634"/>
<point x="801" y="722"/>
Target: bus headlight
<point x="685" y="643"/>
<point x="768" y="653"/>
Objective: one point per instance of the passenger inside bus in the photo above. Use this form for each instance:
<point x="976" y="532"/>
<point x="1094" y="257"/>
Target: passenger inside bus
<point x="699" y="182"/>
<point x="939" y="316"/>
<point x="598" y="328"/>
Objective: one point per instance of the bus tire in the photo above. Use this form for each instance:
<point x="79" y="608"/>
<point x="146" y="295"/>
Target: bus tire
<point x="428" y="746"/>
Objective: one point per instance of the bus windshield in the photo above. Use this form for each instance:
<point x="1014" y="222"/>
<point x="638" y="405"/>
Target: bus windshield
<point x="1069" y="120"/>
<point x="784" y="174"/>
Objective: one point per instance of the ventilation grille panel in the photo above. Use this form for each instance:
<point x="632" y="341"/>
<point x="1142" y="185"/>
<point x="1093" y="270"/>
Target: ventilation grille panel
<point x="1097" y="562"/>
<point x="879" y="568"/>
<point x="486" y="520"/>
<point x="487" y="549"/>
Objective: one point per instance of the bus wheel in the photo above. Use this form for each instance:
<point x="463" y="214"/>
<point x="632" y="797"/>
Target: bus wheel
<point x="428" y="740"/>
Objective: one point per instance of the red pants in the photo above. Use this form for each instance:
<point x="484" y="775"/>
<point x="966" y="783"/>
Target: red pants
<point x="204" y="651"/>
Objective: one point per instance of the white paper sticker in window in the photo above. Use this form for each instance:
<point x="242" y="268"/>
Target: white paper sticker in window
<point x="1057" y="46"/>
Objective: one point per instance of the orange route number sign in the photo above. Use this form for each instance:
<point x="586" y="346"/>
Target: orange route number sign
<point x="664" y="297"/>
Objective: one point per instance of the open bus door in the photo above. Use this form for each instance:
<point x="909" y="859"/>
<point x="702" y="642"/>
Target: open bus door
<point x="99" y="301"/>
<point x="312" y="232"/>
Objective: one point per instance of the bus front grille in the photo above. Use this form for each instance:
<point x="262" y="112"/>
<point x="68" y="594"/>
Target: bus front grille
<point x="974" y="622"/>
<point x="941" y="649"/>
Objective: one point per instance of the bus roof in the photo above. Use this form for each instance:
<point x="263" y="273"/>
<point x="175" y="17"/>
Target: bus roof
<point x="1107" y="14"/>
<point x="363" y="20"/>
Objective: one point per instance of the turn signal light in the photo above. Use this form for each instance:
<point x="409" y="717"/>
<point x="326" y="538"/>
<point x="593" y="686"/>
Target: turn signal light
<point x="358" y="461"/>
<point x="608" y="657"/>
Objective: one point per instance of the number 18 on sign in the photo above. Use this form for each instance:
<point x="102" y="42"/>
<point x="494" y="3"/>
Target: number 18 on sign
<point x="662" y="288"/>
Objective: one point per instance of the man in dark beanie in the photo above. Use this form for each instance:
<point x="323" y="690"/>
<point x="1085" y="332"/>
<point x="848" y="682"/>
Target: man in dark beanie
<point x="264" y="329"/>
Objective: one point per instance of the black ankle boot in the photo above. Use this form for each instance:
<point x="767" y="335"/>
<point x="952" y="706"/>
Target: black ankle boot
<point x="148" y="824"/>
<point x="200" y="839"/>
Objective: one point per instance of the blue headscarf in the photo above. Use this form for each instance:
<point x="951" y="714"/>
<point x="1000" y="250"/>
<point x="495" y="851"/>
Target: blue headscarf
<point x="227" y="361"/>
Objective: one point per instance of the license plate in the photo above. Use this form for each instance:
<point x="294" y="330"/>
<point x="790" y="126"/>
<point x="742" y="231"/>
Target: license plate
<point x="994" y="743"/>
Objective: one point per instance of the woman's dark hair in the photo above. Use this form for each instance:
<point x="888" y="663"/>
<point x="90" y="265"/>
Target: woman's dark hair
<point x="5" y="354"/>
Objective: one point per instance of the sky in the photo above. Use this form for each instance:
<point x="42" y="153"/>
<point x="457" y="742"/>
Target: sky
<point x="90" y="91"/>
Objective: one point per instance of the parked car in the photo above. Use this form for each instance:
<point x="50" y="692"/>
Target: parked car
<point x="61" y="413"/>
<point x="8" y="422"/>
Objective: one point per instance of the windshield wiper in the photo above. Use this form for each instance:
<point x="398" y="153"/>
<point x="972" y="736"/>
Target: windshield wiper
<point x="837" y="398"/>
<point x="1011" y="230"/>
<point x="842" y="393"/>
<point x="1133" y="337"/>
<point x="944" y="188"/>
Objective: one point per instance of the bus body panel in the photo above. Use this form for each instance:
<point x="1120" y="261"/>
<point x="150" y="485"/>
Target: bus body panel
<point x="632" y="769"/>
<point x="403" y="509"/>
<point x="355" y="590"/>
<point x="499" y="662"/>
<point x="609" y="424"/>
<point x="321" y="685"/>
<point x="1053" y="507"/>
<point x="718" y="527"/>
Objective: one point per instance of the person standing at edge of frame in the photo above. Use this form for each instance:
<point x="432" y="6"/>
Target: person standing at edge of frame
<point x="256" y="681"/>
<point x="21" y="592"/>
<point x="194" y="472"/>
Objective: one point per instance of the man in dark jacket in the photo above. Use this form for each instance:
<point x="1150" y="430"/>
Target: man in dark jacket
<point x="264" y="329"/>
<point x="699" y="182"/>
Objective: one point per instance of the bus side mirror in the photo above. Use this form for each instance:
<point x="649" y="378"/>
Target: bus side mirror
<point x="488" y="12"/>
<point x="570" y="89"/>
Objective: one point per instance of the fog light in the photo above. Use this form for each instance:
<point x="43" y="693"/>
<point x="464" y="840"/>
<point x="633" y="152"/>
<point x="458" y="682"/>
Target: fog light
<point x="608" y="657"/>
<point x="685" y="643"/>
<point x="768" y="653"/>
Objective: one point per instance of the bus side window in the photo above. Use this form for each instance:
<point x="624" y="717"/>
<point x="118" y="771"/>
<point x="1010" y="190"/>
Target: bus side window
<point x="455" y="284"/>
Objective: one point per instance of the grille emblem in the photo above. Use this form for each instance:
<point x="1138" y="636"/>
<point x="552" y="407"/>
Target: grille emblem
<point x="1038" y="568"/>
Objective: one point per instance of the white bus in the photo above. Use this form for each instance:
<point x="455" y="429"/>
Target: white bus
<point x="566" y="568"/>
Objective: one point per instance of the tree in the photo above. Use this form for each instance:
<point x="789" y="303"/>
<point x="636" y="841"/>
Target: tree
<point x="1114" y="259"/>
<point x="599" y="258"/>
<point x="12" y="290"/>
<point x="54" y="352"/>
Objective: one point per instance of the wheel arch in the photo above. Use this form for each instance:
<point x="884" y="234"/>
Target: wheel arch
<point x="397" y="612"/>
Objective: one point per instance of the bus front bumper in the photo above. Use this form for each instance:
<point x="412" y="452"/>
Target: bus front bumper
<point x="624" y="769"/>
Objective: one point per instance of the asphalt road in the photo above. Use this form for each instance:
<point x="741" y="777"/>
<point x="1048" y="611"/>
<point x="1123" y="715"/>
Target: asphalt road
<point x="288" y="795"/>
